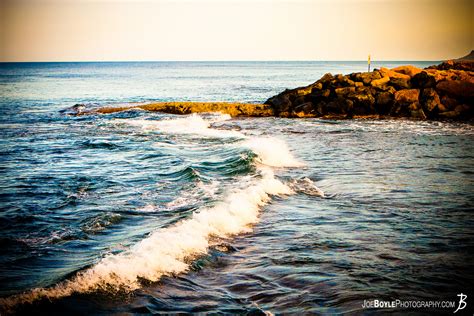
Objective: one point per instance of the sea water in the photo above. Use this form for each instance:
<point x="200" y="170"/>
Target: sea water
<point x="140" y="212"/>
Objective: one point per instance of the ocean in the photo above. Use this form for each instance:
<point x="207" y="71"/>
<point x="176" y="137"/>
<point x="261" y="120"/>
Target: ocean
<point x="139" y="212"/>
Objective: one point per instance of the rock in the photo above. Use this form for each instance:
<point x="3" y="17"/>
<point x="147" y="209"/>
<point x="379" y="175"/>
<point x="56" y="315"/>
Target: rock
<point x="392" y="74"/>
<point x="462" y="108"/>
<point x="306" y="108"/>
<point x="430" y="102"/>
<point x="384" y="98"/>
<point x="336" y="106"/>
<point x="416" y="111"/>
<point x="465" y="111"/>
<point x="368" y="77"/>
<point x="355" y="76"/>
<point x="344" y="91"/>
<point x="449" y="114"/>
<point x="456" y="88"/>
<point x="400" y="83"/>
<point x="280" y="103"/>
<point x="408" y="70"/>
<point x="448" y="102"/>
<point x="328" y="77"/>
<point x="349" y="108"/>
<point x="383" y="102"/>
<point x="377" y="83"/>
<point x="405" y="103"/>
<point x="302" y="91"/>
<point x="319" y="108"/>
<point x="298" y="100"/>
<point x="461" y="112"/>
<point x="320" y="95"/>
<point x="317" y="86"/>
<point x="466" y="65"/>
<point x="363" y="101"/>
<point x="423" y="80"/>
<point x="441" y="75"/>
<point x="466" y="76"/>
<point x="407" y="96"/>
<point x="346" y="82"/>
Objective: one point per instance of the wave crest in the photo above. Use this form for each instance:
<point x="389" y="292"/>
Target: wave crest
<point x="168" y="250"/>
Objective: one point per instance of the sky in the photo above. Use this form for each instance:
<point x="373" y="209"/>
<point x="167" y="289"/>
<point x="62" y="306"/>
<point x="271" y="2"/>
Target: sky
<point x="127" y="30"/>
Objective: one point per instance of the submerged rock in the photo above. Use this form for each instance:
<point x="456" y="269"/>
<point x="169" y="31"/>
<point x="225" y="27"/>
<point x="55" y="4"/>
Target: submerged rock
<point x="233" y="109"/>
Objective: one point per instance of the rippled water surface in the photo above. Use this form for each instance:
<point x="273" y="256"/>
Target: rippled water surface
<point x="139" y="212"/>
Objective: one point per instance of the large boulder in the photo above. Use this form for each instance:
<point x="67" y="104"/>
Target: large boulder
<point x="461" y="112"/>
<point x="325" y="80"/>
<point x="345" y="81"/>
<point x="393" y="74"/>
<point x="416" y="111"/>
<point x="318" y="95"/>
<point x="379" y="83"/>
<point x="441" y="75"/>
<point x="341" y="92"/>
<point x="406" y="103"/>
<point x="431" y="103"/>
<point x="383" y="102"/>
<point x="316" y="86"/>
<point x="456" y="88"/>
<point x="384" y="98"/>
<point x="423" y="80"/>
<point x="368" y="77"/>
<point x="337" y="106"/>
<point x="363" y="101"/>
<point x="407" y="96"/>
<point x="304" y="110"/>
<point x="400" y="83"/>
<point x="408" y="70"/>
<point x="448" y="102"/>
<point x="280" y="103"/>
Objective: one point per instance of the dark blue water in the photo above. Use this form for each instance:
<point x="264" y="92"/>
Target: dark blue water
<point x="139" y="212"/>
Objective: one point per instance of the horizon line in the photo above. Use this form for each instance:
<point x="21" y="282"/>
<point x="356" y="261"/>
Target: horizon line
<point x="224" y="60"/>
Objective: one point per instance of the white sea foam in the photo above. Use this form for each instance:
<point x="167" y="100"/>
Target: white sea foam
<point x="189" y="197"/>
<point x="192" y="124"/>
<point x="307" y="187"/>
<point x="272" y="152"/>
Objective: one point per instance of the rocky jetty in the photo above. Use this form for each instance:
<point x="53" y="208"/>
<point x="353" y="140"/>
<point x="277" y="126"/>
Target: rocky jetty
<point x="445" y="91"/>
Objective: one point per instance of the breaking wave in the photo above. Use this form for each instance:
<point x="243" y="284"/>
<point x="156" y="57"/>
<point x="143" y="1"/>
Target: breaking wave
<point x="171" y="250"/>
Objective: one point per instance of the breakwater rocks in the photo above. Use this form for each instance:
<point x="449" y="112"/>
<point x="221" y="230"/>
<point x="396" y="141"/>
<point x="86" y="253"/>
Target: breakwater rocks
<point x="441" y="92"/>
<point x="445" y="91"/>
